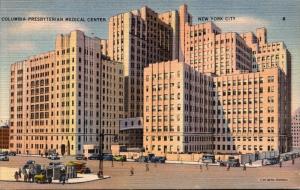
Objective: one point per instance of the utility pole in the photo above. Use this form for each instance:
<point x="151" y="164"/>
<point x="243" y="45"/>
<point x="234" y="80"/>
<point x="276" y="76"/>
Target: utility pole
<point x="100" y="173"/>
<point x="101" y="135"/>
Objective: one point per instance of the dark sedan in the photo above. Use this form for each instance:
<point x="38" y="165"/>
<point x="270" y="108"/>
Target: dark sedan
<point x="94" y="157"/>
<point x="80" y="157"/>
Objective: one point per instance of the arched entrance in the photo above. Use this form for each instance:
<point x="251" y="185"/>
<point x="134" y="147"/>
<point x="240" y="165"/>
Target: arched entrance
<point x="63" y="149"/>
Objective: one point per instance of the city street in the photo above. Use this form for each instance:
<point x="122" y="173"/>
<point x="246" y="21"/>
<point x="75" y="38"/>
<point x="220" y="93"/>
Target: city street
<point x="171" y="176"/>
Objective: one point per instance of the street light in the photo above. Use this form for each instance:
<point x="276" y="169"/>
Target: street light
<point x="100" y="172"/>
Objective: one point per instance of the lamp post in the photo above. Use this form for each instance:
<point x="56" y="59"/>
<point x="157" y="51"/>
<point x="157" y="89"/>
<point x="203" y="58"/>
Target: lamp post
<point x="100" y="172"/>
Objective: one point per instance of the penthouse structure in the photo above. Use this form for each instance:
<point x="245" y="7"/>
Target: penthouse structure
<point x="63" y="99"/>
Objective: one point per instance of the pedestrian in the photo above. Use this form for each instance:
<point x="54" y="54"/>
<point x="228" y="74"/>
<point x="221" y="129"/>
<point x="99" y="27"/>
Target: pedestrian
<point x="206" y="166"/>
<point x="250" y="162"/>
<point x="29" y="176"/>
<point x="244" y="167"/>
<point x="100" y="174"/>
<point x="16" y="176"/>
<point x="280" y="164"/>
<point x="201" y="167"/>
<point x="131" y="171"/>
<point x="25" y="176"/>
<point x="147" y="167"/>
<point x="63" y="176"/>
<point x="63" y="179"/>
<point x="228" y="167"/>
<point x="293" y="161"/>
<point x="20" y="173"/>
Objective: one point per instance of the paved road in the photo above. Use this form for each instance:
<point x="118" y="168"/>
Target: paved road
<point x="172" y="176"/>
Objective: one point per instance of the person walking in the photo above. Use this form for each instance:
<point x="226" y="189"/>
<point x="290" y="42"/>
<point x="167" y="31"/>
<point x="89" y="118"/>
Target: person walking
<point x="131" y="171"/>
<point x="244" y="167"/>
<point x="62" y="176"/>
<point x="206" y="165"/>
<point x="280" y="163"/>
<point x="25" y="176"/>
<point x="16" y="176"/>
<point x="228" y="167"/>
<point x="20" y="173"/>
<point x="293" y="161"/>
<point x="29" y="176"/>
<point x="147" y="167"/>
<point x="200" y="167"/>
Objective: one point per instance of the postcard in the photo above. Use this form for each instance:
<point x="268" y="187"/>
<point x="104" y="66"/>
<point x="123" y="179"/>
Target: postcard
<point x="149" y="94"/>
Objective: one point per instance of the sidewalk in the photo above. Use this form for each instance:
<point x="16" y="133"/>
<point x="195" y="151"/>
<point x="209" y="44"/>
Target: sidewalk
<point x="192" y="163"/>
<point x="255" y="164"/>
<point x="7" y="174"/>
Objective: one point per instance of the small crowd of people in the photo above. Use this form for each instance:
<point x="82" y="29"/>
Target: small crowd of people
<point x="28" y="175"/>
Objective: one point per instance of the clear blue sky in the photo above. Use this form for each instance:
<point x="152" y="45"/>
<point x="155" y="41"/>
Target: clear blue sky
<point x="19" y="40"/>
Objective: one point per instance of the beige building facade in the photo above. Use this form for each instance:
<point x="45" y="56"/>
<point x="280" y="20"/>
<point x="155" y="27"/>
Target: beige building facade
<point x="252" y="88"/>
<point x="178" y="109"/>
<point x="136" y="39"/>
<point x="60" y="100"/>
<point x="157" y="79"/>
<point x="249" y="112"/>
<point x="296" y="129"/>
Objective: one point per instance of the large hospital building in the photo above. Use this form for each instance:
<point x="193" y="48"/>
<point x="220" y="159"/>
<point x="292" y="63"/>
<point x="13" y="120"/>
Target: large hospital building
<point x="159" y="82"/>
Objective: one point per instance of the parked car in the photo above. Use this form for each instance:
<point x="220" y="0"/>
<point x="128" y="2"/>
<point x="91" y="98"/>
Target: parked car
<point x="208" y="158"/>
<point x="223" y="163"/>
<point x="80" y="157"/>
<point x="53" y="157"/>
<point x="42" y="178"/>
<point x="4" y="153"/>
<point x="119" y="158"/>
<point x="12" y="153"/>
<point x="108" y="157"/>
<point x="270" y="161"/>
<point x="94" y="156"/>
<point x="85" y="170"/>
<point x="4" y="157"/>
<point x="232" y="162"/>
<point x="158" y="159"/>
<point x="30" y="162"/>
<point x="142" y="159"/>
<point x="150" y="156"/>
